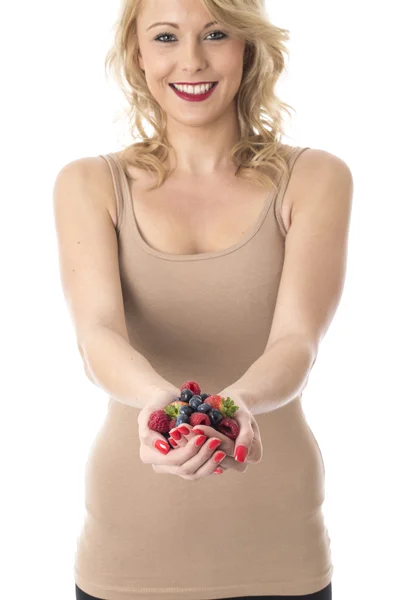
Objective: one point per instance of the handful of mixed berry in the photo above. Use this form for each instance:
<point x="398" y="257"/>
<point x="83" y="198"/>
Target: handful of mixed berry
<point x="195" y="408"/>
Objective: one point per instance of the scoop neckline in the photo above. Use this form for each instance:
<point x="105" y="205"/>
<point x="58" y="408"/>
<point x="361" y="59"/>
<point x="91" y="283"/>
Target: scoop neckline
<point x="200" y="255"/>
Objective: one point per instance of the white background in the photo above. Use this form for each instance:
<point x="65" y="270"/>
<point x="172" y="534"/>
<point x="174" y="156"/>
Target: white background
<point x="57" y="106"/>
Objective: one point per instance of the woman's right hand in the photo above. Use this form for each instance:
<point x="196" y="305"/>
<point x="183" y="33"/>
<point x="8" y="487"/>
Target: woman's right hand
<point x="191" y="461"/>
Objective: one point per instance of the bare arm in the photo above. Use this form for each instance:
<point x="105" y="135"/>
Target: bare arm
<point x="89" y="270"/>
<point x="119" y="369"/>
<point x="311" y="284"/>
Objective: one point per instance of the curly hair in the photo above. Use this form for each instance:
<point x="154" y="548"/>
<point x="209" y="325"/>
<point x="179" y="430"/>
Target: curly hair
<point x="259" y="110"/>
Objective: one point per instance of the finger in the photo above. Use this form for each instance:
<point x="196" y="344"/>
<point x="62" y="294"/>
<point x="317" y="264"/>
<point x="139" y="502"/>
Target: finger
<point x="177" y="460"/>
<point x="245" y="437"/>
<point x="178" y="437"/>
<point x="209" y="449"/>
<point x="229" y="463"/>
<point x="151" y="444"/>
<point x="179" y="456"/>
<point x="211" y="463"/>
<point x="227" y="445"/>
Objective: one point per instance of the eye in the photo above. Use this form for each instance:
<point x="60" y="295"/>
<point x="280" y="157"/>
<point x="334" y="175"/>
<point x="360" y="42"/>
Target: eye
<point x="165" y="34"/>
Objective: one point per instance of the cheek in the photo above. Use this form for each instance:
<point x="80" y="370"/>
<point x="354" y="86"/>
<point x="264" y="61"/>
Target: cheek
<point x="158" y="74"/>
<point x="230" y="63"/>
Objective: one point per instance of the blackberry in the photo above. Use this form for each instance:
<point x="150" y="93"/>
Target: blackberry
<point x="203" y="407"/>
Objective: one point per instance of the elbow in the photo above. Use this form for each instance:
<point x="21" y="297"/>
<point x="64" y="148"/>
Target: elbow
<point x="306" y="345"/>
<point x="88" y="372"/>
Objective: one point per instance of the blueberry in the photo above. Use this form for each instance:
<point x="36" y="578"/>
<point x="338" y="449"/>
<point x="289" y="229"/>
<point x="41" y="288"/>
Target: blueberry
<point x="203" y="407"/>
<point x="204" y="396"/>
<point x="186" y="410"/>
<point x="194" y="402"/>
<point x="215" y="416"/>
<point x="182" y="418"/>
<point x="197" y="397"/>
<point x="186" y="394"/>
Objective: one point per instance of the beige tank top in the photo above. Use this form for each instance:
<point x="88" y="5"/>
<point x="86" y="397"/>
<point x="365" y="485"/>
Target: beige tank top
<point x="150" y="536"/>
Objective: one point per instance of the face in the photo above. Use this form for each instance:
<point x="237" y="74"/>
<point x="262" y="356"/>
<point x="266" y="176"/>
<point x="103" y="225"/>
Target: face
<point x="193" y="51"/>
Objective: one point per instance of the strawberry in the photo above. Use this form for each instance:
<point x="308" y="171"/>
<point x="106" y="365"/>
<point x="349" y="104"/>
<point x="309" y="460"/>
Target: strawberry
<point x="159" y="421"/>
<point x="198" y="418"/>
<point x="228" y="427"/>
<point x="192" y="386"/>
<point x="225" y="406"/>
<point x="172" y="409"/>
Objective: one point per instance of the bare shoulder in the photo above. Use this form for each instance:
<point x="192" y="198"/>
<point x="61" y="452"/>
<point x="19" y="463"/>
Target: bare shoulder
<point x="318" y="168"/>
<point x="127" y="158"/>
<point x="314" y="171"/>
<point x="92" y="174"/>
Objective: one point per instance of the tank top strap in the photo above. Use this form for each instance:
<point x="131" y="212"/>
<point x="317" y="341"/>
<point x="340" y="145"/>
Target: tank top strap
<point x="120" y="185"/>
<point x="283" y="183"/>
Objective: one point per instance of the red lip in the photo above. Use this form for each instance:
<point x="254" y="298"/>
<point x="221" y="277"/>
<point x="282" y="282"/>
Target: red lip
<point x="194" y="97"/>
<point x="191" y="83"/>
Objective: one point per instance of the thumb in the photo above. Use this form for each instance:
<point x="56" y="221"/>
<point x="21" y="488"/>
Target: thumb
<point x="244" y="440"/>
<point x="158" y="441"/>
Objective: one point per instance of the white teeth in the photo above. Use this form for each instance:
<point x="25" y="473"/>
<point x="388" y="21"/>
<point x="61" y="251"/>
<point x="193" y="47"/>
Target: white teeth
<point x="193" y="89"/>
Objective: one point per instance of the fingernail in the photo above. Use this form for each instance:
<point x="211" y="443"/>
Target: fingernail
<point x="241" y="453"/>
<point x="162" y="446"/>
<point x="214" y="444"/>
<point x="172" y="442"/>
<point x="200" y="440"/>
<point x="184" y="430"/>
<point x="219" y="456"/>
<point x="176" y="435"/>
<point x="197" y="431"/>
<point x="218" y="471"/>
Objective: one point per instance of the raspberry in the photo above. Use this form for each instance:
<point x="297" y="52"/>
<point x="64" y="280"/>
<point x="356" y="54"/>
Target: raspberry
<point x="228" y="427"/>
<point x="172" y="424"/>
<point x="198" y="418"/>
<point x="193" y="386"/>
<point x="159" y="421"/>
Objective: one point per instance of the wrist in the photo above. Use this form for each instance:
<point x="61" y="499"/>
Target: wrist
<point x="239" y="394"/>
<point x="156" y="391"/>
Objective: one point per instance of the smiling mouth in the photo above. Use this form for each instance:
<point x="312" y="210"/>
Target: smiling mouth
<point x="213" y="84"/>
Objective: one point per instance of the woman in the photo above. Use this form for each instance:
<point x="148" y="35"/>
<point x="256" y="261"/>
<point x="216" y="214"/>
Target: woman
<point x="213" y="253"/>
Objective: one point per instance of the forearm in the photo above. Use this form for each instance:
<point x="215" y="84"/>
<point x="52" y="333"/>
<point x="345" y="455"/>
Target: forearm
<point x="117" y="368"/>
<point x="277" y="377"/>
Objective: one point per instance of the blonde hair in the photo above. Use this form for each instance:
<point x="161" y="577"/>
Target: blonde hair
<point x="259" y="109"/>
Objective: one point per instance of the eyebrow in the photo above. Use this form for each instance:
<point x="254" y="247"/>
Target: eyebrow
<point x="176" y="26"/>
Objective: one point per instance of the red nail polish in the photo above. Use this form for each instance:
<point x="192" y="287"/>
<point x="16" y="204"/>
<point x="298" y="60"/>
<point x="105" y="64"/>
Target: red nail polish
<point x="172" y="442"/>
<point x="214" y="444"/>
<point x="162" y="446"/>
<point x="241" y="453"/>
<point x="200" y="440"/>
<point x="219" y="456"/>
<point x="197" y="431"/>
<point x="218" y="471"/>
<point x="184" y="430"/>
<point x="176" y="435"/>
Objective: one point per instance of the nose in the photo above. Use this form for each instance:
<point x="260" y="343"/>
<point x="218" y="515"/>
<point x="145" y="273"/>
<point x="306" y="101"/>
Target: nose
<point x="192" y="56"/>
